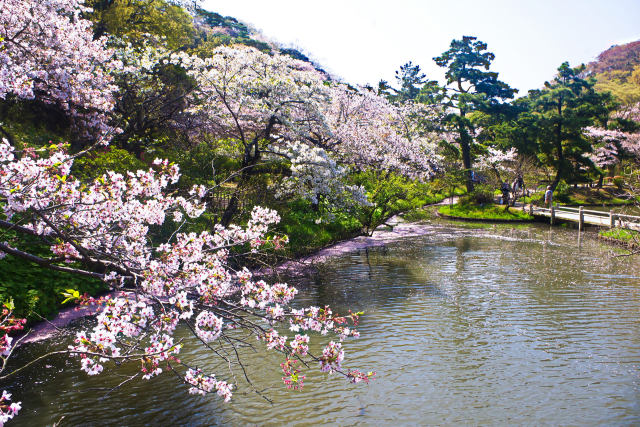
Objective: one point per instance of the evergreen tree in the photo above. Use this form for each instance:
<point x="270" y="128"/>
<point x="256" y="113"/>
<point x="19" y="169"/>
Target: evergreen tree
<point x="470" y="87"/>
<point x="561" y="110"/>
<point x="411" y="79"/>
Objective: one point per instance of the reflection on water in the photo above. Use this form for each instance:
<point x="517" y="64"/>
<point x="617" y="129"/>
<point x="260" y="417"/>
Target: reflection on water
<point x="463" y="326"/>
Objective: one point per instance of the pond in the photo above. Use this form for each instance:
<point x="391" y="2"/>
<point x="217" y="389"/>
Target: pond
<point x="488" y="326"/>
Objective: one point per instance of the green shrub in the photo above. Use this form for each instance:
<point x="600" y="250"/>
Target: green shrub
<point x="306" y="233"/>
<point x="419" y="214"/>
<point x="97" y="163"/>
<point x="481" y="195"/>
<point x="621" y="234"/>
<point x="618" y="181"/>
<point x="389" y="194"/>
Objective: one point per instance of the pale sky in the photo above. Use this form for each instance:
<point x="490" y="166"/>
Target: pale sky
<point x="363" y="41"/>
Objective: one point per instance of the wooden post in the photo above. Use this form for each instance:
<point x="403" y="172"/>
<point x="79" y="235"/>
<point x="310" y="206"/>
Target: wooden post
<point x="580" y="218"/>
<point x="553" y="214"/>
<point x="612" y="219"/>
<point x="530" y="208"/>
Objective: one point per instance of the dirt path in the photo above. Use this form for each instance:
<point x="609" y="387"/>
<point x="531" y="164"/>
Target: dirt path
<point x="449" y="200"/>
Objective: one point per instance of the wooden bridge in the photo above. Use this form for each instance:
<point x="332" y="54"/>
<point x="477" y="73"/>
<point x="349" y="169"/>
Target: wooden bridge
<point x="583" y="216"/>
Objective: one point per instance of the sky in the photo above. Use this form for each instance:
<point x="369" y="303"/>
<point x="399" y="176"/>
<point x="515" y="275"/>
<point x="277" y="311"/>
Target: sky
<point x="363" y="41"/>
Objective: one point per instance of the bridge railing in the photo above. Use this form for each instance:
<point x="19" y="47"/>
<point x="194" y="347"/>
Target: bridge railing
<point x="612" y="219"/>
<point x="596" y="213"/>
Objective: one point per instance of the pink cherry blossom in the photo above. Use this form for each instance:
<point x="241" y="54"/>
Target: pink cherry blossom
<point x="47" y="52"/>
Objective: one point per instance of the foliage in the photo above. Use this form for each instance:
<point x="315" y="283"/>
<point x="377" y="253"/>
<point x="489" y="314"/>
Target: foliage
<point x="151" y="105"/>
<point x="136" y="20"/>
<point x="307" y="231"/>
<point x="481" y="195"/>
<point x="389" y="194"/>
<point x="413" y="82"/>
<point x="37" y="293"/>
<point x="624" y="85"/>
<point x="223" y="23"/>
<point x="99" y="162"/>
<point x="418" y="214"/>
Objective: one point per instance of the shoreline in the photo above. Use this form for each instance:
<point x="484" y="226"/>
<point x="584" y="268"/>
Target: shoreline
<point x="631" y="246"/>
<point x="47" y="329"/>
<point x="396" y="228"/>
<point x="393" y="230"/>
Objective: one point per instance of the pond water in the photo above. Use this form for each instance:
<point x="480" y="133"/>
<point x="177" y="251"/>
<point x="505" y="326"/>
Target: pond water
<point x="483" y="326"/>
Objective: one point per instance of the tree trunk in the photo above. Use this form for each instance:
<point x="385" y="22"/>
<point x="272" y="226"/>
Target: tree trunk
<point x="466" y="156"/>
<point x="249" y="160"/>
<point x="558" y="144"/>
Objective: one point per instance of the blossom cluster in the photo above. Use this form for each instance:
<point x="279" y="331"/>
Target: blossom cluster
<point x="203" y="384"/>
<point x="612" y="145"/>
<point x="8" y="410"/>
<point x="332" y="357"/>
<point x="8" y="324"/>
<point x="365" y="129"/>
<point x="208" y="326"/>
<point x="316" y="175"/>
<point x="47" y="52"/>
<point x="292" y="378"/>
<point x="112" y="215"/>
<point x="188" y="279"/>
<point x="496" y="159"/>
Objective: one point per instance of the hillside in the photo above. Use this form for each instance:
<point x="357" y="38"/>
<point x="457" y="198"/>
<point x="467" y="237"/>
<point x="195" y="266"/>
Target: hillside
<point x="617" y="58"/>
<point x="617" y="70"/>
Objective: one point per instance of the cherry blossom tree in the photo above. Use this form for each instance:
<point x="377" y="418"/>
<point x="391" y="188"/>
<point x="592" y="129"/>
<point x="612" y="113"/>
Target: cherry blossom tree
<point x="612" y="146"/>
<point x="252" y="98"/>
<point x="367" y="131"/>
<point x="47" y="52"/>
<point x="497" y="161"/>
<point x="316" y="176"/>
<point x="152" y="97"/>
<point x="270" y="103"/>
<point x="101" y="230"/>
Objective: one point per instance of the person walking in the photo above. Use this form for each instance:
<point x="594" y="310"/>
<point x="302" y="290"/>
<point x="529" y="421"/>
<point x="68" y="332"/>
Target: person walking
<point x="548" y="196"/>
<point x="517" y="186"/>
<point x="505" y="189"/>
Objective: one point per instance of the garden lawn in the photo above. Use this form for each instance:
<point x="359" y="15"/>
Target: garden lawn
<point x="485" y="212"/>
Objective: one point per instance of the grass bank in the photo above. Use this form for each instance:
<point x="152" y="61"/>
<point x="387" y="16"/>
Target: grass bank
<point x="487" y="212"/>
<point x="622" y="237"/>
